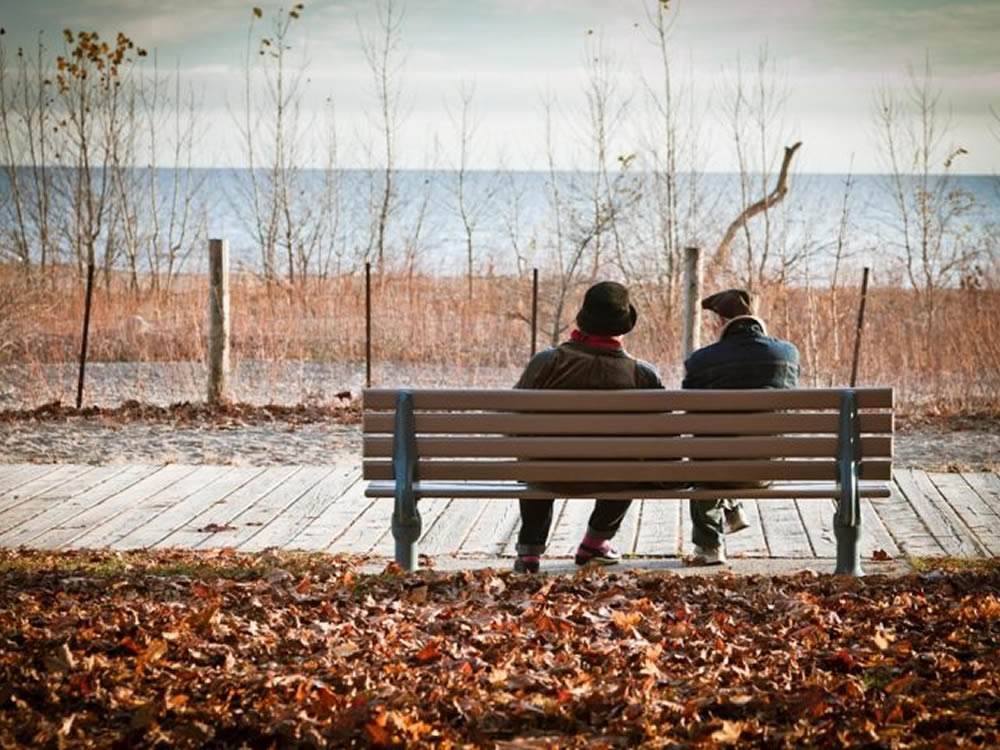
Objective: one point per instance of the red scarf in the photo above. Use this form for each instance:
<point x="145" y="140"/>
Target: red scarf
<point x="611" y="343"/>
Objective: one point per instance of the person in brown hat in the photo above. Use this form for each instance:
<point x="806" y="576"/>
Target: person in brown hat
<point x="593" y="357"/>
<point x="744" y="356"/>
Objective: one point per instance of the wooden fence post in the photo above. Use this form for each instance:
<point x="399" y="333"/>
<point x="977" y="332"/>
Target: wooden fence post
<point x="218" y="321"/>
<point x="692" y="296"/>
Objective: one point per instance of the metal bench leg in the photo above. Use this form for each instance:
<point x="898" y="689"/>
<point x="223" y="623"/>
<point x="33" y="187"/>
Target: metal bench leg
<point x="406" y="522"/>
<point x="847" y="518"/>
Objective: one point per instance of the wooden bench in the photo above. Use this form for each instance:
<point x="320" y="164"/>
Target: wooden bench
<point x="490" y="443"/>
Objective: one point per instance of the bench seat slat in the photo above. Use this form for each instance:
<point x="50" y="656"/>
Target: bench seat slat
<point x="618" y="471"/>
<point x="628" y="424"/>
<point x="514" y="490"/>
<point x="628" y="447"/>
<point x="631" y="400"/>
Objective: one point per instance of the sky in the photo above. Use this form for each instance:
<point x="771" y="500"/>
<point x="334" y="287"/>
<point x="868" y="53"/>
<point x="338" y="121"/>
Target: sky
<point x="825" y="61"/>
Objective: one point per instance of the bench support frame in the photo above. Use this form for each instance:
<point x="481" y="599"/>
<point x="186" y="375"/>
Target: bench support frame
<point x="406" y="522"/>
<point x="847" y="517"/>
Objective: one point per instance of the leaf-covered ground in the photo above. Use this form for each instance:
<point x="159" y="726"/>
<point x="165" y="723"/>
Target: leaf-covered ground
<point x="282" y="650"/>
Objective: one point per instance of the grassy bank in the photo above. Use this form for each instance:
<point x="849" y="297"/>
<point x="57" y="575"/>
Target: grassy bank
<point x="942" y="354"/>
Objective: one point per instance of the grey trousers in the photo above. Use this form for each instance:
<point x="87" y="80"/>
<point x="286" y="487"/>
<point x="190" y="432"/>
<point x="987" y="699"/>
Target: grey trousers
<point x="707" y="519"/>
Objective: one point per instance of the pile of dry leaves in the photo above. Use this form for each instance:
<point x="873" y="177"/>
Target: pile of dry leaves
<point x="278" y="650"/>
<point x="344" y="409"/>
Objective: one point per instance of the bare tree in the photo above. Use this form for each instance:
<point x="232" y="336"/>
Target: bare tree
<point x="178" y="215"/>
<point x="578" y="222"/>
<point x="753" y="110"/>
<point x="670" y="213"/>
<point x="385" y="61"/>
<point x="930" y="237"/>
<point x="473" y="197"/>
<point x="273" y="135"/>
<point x="26" y="128"/>
<point x="89" y="79"/>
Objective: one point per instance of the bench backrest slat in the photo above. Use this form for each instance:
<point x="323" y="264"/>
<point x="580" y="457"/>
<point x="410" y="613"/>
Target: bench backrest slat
<point x="627" y="400"/>
<point x="760" y="423"/>
<point x="473" y="446"/>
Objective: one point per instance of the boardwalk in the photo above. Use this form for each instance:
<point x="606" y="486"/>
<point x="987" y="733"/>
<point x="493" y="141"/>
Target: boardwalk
<point x="65" y="506"/>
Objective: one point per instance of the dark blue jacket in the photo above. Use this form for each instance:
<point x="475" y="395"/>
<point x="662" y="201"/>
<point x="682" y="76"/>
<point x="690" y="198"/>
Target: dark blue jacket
<point x="744" y="357"/>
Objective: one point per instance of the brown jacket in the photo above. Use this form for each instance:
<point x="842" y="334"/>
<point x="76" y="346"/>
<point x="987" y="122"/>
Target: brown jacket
<point x="576" y="366"/>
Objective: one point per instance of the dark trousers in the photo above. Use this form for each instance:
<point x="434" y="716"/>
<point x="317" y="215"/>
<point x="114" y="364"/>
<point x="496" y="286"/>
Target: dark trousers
<point x="536" y="520"/>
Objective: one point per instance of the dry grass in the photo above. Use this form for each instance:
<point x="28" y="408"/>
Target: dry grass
<point x="948" y="366"/>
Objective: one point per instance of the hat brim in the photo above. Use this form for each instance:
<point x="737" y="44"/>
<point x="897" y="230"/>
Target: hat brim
<point x="602" y="326"/>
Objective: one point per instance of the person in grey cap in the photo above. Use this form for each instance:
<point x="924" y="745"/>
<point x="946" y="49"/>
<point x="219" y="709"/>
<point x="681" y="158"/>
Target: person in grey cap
<point x="744" y="356"/>
<point x="594" y="357"/>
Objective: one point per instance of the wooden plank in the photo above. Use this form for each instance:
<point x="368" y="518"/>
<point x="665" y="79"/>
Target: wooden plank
<point x="749" y="542"/>
<point x="977" y="515"/>
<point x="383" y="544"/>
<point x="73" y="482"/>
<point x="599" y="471"/>
<point x="46" y="479"/>
<point x="817" y="519"/>
<point x="875" y="537"/>
<point x="218" y="517"/>
<point x="987" y="486"/>
<point x="335" y="518"/>
<point x="784" y="533"/>
<point x="666" y="424"/>
<point x="13" y="476"/>
<point x="162" y="523"/>
<point x="368" y="525"/>
<point x="286" y="525"/>
<point x="91" y="521"/>
<point x="576" y="447"/>
<point x="627" y="400"/>
<point x="266" y="508"/>
<point x="159" y="500"/>
<point x="54" y="522"/>
<point x="569" y="527"/>
<point x="946" y="526"/>
<point x="907" y="527"/>
<point x="492" y="531"/>
<point x="686" y="545"/>
<point x="448" y="534"/>
<point x="624" y="541"/>
<point x="514" y="490"/>
<point x="659" y="529"/>
<point x="210" y="526"/>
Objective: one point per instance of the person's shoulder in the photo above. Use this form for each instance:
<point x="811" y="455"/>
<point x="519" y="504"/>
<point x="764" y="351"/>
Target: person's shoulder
<point x="536" y="365"/>
<point x="786" y="347"/>
<point x="649" y="374"/>
<point x="701" y="354"/>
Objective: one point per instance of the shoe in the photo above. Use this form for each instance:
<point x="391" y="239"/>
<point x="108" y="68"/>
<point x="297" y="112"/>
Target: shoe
<point x="603" y="554"/>
<point x="708" y="556"/>
<point x="530" y="566"/>
<point x="735" y="520"/>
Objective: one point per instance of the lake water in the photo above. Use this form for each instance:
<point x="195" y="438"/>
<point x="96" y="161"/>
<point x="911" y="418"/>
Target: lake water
<point x="514" y="219"/>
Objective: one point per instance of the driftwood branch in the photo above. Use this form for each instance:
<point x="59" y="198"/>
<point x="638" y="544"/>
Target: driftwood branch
<point x="721" y="255"/>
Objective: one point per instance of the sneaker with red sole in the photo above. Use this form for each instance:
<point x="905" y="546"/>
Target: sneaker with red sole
<point x="603" y="554"/>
